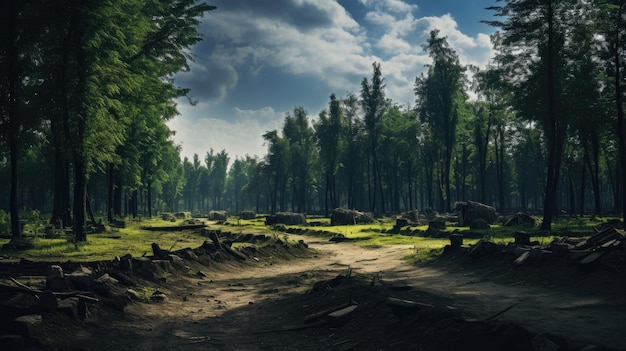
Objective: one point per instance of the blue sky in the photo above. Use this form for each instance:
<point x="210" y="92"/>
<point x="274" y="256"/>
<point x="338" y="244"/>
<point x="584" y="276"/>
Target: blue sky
<point x="260" y="59"/>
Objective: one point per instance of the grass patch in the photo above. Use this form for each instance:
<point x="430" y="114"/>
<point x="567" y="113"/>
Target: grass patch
<point x="136" y="241"/>
<point x="100" y="247"/>
<point x="423" y="254"/>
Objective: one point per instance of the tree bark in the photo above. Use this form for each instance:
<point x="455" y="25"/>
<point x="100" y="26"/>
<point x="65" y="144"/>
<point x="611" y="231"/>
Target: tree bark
<point x="551" y="130"/>
<point x="618" y="103"/>
<point x="14" y="116"/>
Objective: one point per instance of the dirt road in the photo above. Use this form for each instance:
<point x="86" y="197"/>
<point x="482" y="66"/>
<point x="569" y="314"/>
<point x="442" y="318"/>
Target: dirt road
<point x="233" y="307"/>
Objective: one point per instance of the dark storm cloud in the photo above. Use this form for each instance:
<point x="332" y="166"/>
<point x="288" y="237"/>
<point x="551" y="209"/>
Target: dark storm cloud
<point x="244" y="38"/>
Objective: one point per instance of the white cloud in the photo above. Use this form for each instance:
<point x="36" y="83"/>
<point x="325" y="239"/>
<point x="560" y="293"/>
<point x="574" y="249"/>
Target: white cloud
<point x="390" y="5"/>
<point x="400" y="6"/>
<point x="239" y="137"/>
<point x="476" y="51"/>
<point x="325" y="47"/>
<point x="311" y="38"/>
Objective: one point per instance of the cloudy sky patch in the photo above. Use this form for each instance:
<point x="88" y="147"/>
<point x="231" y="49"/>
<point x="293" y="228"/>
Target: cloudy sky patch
<point x="260" y="59"/>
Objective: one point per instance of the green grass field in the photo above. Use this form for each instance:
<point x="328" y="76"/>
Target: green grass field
<point x="136" y="241"/>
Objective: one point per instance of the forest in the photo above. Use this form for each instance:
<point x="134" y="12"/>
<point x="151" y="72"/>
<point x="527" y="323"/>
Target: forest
<point x="87" y="89"/>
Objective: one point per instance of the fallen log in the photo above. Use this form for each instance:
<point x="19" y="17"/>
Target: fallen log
<point x="601" y="238"/>
<point x="325" y="312"/>
<point x="175" y="227"/>
<point x="341" y="316"/>
<point x="401" y="308"/>
<point x="522" y="258"/>
<point x="60" y="295"/>
<point x="215" y="239"/>
<point x="236" y="254"/>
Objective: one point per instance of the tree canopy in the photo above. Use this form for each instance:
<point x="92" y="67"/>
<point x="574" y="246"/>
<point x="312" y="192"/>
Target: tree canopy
<point x="86" y="94"/>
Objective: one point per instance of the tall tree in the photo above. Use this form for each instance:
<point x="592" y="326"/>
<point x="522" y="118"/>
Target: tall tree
<point x="275" y="168"/>
<point x="328" y="131"/>
<point x="299" y="134"/>
<point x="614" y="28"/>
<point x="351" y="158"/>
<point x="532" y="40"/>
<point x="439" y="94"/>
<point x="373" y="104"/>
<point x="18" y="76"/>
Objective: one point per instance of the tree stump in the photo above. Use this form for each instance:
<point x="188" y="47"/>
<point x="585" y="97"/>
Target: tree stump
<point x="522" y="238"/>
<point x="437" y="225"/>
<point x="456" y="240"/>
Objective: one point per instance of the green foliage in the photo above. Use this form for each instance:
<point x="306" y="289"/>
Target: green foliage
<point x="5" y="225"/>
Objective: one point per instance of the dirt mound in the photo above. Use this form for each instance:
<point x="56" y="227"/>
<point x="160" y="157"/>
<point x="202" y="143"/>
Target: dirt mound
<point x="352" y="312"/>
<point x="37" y="308"/>
<point x="341" y="297"/>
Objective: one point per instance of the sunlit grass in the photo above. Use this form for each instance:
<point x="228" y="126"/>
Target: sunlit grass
<point x="130" y="240"/>
<point x="137" y="241"/>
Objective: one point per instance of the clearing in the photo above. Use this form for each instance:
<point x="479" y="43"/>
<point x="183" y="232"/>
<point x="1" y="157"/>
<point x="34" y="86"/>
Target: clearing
<point x="449" y="304"/>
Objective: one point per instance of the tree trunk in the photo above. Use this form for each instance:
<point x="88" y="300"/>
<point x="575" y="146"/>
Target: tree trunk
<point x="551" y="130"/>
<point x="618" y="103"/>
<point x="80" y="197"/>
<point x="583" y="181"/>
<point x="80" y="117"/>
<point x="110" y="191"/>
<point x="149" y="199"/>
<point x="13" y="116"/>
<point x="572" y="196"/>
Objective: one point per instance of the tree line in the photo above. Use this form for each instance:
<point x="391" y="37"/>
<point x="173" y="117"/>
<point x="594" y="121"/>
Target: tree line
<point x="87" y="92"/>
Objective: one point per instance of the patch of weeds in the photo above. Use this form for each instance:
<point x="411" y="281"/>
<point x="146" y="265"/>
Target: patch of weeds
<point x="145" y="293"/>
<point x="423" y="254"/>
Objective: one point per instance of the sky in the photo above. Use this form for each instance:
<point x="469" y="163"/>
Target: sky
<point x="258" y="60"/>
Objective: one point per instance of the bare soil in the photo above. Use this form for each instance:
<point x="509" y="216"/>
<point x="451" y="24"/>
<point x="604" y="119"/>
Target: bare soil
<point x="262" y="305"/>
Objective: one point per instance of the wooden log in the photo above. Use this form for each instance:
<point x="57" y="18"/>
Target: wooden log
<point x="238" y="255"/>
<point x="401" y="308"/>
<point x="215" y="239"/>
<point x="591" y="258"/>
<point x="174" y="227"/>
<point x="522" y="258"/>
<point x="23" y="286"/>
<point x="600" y="238"/>
<point x="406" y="304"/>
<point x="317" y="315"/>
<point x="342" y="313"/>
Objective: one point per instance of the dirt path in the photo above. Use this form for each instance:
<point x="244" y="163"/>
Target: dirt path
<point x="230" y="308"/>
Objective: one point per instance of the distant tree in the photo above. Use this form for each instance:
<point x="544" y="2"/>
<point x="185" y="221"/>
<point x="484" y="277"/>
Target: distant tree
<point x="275" y="169"/>
<point x="328" y="131"/>
<point x="352" y="156"/>
<point x="299" y="134"/>
<point x="532" y="41"/>
<point x="373" y="105"/>
<point x="612" y="25"/>
<point x="439" y="94"/>
<point x="217" y="176"/>
<point x="398" y="147"/>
